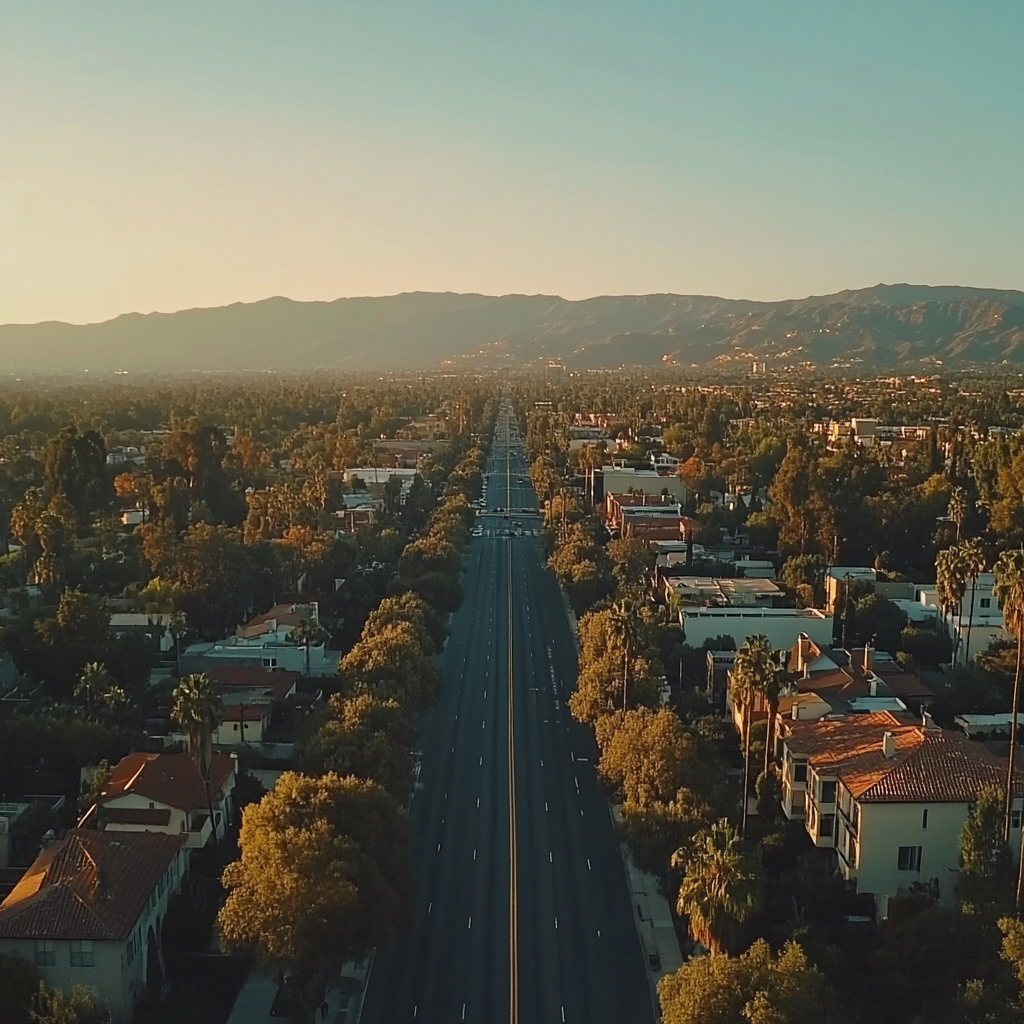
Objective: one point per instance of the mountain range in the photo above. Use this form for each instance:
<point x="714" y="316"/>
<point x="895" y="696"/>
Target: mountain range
<point x="901" y="326"/>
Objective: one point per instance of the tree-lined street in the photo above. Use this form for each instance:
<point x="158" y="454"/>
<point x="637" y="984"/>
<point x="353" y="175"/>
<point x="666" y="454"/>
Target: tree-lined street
<point x="521" y="909"/>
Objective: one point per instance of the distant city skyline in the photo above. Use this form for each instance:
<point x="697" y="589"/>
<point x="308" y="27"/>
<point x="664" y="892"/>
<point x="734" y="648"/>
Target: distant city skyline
<point x="160" y="158"/>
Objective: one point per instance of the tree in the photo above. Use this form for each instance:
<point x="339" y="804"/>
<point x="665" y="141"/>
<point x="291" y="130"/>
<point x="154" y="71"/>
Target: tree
<point x="951" y="582"/>
<point x="75" y="465"/>
<point x="366" y="737"/>
<point x="755" y="988"/>
<point x="973" y="563"/>
<point x="958" y="510"/>
<point x="79" y="1006"/>
<point x="646" y="755"/>
<point x="308" y="633"/>
<point x="984" y="854"/>
<point x="19" y="982"/>
<point x="755" y="673"/>
<point x="721" y="888"/>
<point x="323" y="876"/>
<point x="199" y="710"/>
<point x="97" y="688"/>
<point x="1009" y="592"/>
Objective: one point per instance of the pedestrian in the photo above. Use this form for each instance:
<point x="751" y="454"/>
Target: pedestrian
<point x="324" y="1010"/>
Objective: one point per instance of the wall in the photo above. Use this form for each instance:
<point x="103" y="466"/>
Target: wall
<point x="885" y="828"/>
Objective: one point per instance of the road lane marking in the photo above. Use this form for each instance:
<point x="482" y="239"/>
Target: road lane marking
<point x="545" y="805"/>
<point x="551" y="859"/>
<point x="556" y="924"/>
<point x="513" y="853"/>
<point x="589" y="868"/>
<point x="478" y="801"/>
<point x="430" y="906"/>
<point x="577" y="781"/>
<point x="474" y="853"/>
<point x="469" y="927"/>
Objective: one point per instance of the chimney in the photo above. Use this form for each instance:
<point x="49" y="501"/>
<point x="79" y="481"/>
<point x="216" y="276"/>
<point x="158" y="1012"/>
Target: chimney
<point x="889" y="745"/>
<point x="803" y="654"/>
<point x="868" y="659"/>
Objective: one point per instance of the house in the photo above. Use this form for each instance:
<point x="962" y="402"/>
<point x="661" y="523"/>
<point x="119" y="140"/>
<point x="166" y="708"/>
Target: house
<point x="263" y="643"/>
<point x="249" y="695"/>
<point x="91" y="910"/>
<point x="166" y="793"/>
<point x="620" y="479"/>
<point x="890" y="796"/>
<point x="979" y="616"/>
<point x="141" y="623"/>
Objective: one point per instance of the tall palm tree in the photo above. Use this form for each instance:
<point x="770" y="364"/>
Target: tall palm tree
<point x="753" y="673"/>
<point x="958" y="509"/>
<point x="198" y="709"/>
<point x="308" y="633"/>
<point x="624" y="620"/>
<point x="721" y="888"/>
<point x="1009" y="592"/>
<point x="951" y="583"/>
<point x="94" y="683"/>
<point x="973" y="563"/>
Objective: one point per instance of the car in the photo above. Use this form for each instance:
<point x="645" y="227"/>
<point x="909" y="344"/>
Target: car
<point x="499" y="509"/>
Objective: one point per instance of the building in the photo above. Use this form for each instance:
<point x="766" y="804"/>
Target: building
<point x="90" y="911"/>
<point x="618" y="479"/>
<point x="782" y="626"/>
<point x="263" y="643"/>
<point x="166" y="793"/>
<point x="709" y="592"/>
<point x="890" y="796"/>
<point x="141" y="623"/>
<point x="249" y="695"/>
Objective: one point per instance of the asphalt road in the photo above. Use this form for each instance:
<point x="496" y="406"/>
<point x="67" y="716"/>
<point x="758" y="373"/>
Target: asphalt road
<point x="541" y="929"/>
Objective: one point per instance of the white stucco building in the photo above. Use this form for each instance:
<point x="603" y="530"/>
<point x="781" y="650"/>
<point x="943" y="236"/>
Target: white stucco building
<point x="890" y="796"/>
<point x="91" y="910"/>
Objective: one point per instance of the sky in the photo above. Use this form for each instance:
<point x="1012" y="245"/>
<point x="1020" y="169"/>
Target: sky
<point x="159" y="156"/>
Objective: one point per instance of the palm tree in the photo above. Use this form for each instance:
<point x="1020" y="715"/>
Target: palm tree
<point x="177" y="624"/>
<point x="951" y="583"/>
<point x="973" y="563"/>
<point x="625" y="623"/>
<point x="721" y="888"/>
<point x="1009" y="592"/>
<point x="308" y="633"/>
<point x="958" y="509"/>
<point x="198" y="709"/>
<point x="94" y="685"/>
<point x="752" y="675"/>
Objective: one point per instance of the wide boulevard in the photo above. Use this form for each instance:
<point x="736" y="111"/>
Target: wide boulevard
<point x="522" y="912"/>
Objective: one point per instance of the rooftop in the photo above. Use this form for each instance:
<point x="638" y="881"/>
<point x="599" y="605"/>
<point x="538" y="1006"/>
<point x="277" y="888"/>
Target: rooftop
<point x="89" y="885"/>
<point x="170" y="779"/>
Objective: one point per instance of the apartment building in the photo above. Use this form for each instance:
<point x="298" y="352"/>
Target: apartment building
<point x="890" y="795"/>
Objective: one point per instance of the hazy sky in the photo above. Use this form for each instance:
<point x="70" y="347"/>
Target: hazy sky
<point x="166" y="155"/>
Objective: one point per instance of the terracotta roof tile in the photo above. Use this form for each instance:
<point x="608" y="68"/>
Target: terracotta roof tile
<point x="929" y="765"/>
<point x="171" y="779"/>
<point x="90" y="885"/>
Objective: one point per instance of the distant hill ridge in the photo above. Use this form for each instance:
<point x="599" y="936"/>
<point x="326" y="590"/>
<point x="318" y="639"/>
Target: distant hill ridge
<point x="887" y="326"/>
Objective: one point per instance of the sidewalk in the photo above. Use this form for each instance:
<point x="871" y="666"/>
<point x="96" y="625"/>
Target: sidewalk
<point x="344" y="998"/>
<point x="653" y="921"/>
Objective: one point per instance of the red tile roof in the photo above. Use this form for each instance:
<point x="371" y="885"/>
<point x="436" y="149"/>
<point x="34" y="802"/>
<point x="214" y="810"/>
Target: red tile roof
<point x="170" y="779"/>
<point x="251" y="675"/>
<point x="929" y="765"/>
<point x="90" y="885"/>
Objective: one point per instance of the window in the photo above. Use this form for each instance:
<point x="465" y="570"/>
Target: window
<point x="82" y="954"/>
<point x="924" y="818"/>
<point x="46" y="953"/>
<point x="234" y="727"/>
<point x="827" y="827"/>
<point x="1014" y="819"/>
<point x="828" y="792"/>
<point x="985" y="602"/>
<point x="799" y="771"/>
<point x="909" y="858"/>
